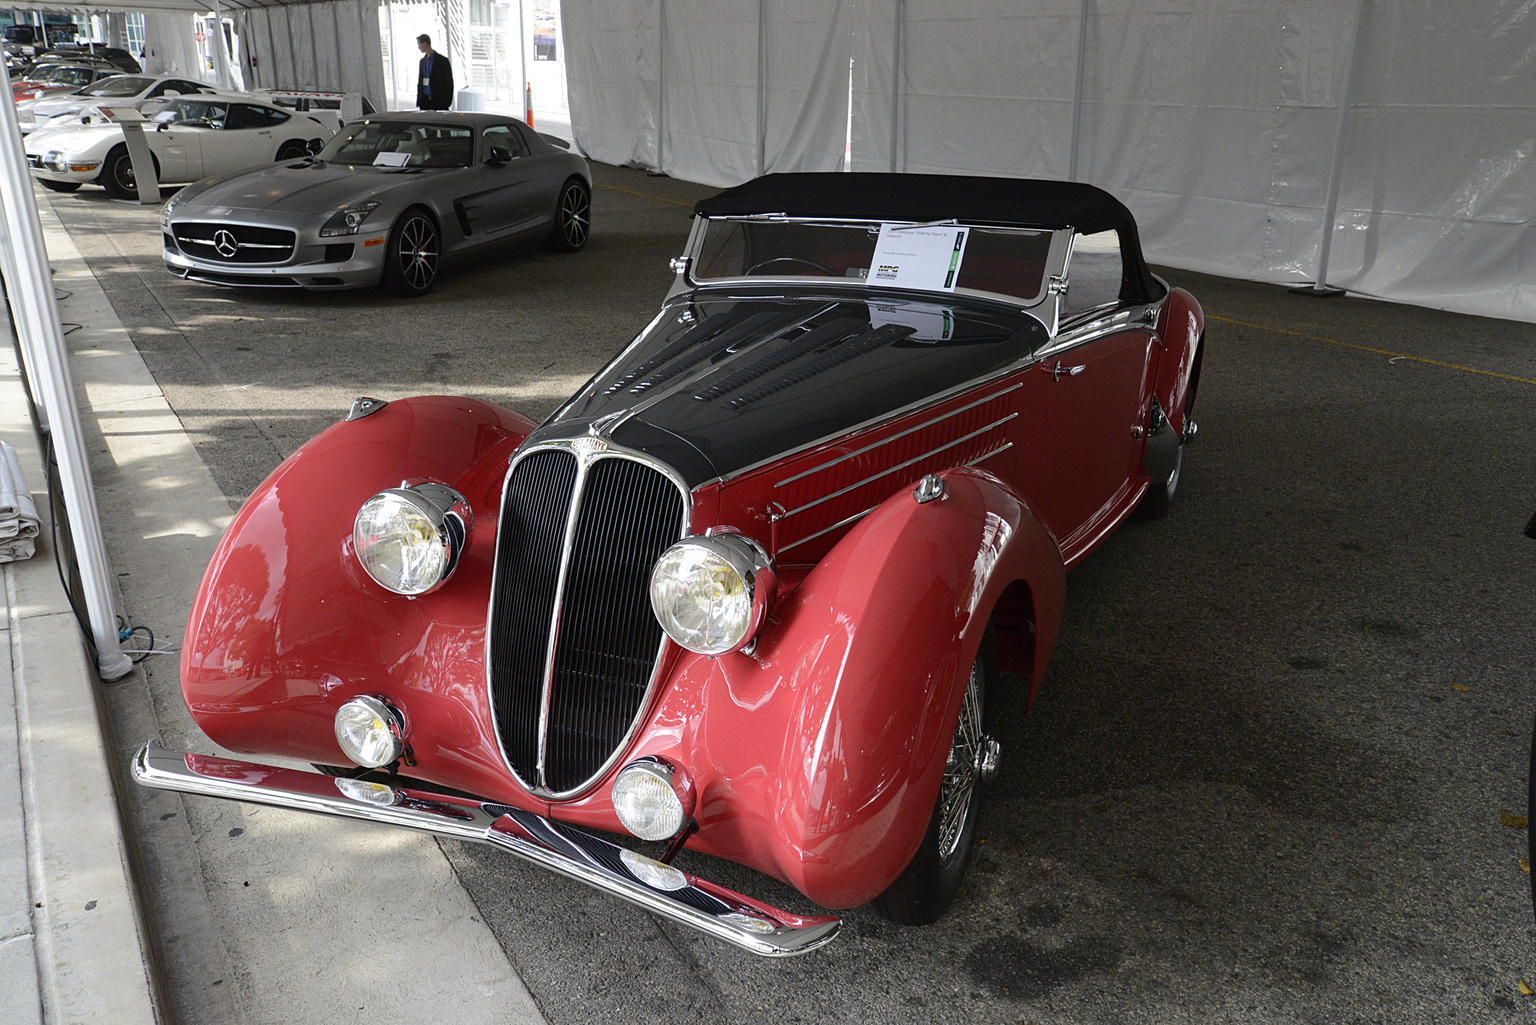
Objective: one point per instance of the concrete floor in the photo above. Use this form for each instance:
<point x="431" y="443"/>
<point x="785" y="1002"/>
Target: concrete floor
<point x="1264" y="779"/>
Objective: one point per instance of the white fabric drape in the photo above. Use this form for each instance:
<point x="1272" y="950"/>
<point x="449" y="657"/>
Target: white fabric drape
<point x="1212" y="119"/>
<point x="333" y="46"/>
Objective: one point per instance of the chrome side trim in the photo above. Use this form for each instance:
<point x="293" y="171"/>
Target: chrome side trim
<point x="884" y="418"/>
<point x="587" y="450"/>
<point x="1005" y="446"/>
<point x="661" y="889"/>
<point x="899" y="466"/>
<point x="911" y="430"/>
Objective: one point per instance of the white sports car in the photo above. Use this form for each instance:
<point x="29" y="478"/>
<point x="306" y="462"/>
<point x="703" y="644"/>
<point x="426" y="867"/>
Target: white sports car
<point x="190" y="137"/>
<point x="124" y="90"/>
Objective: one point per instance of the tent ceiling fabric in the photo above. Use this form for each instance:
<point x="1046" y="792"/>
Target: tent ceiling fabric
<point x="1213" y="120"/>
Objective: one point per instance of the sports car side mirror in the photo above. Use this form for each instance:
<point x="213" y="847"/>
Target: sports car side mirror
<point x="499" y="155"/>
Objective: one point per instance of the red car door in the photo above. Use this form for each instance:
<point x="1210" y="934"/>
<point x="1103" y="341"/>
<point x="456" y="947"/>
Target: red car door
<point x="1080" y="450"/>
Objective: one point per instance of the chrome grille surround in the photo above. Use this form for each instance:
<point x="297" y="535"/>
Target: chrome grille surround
<point x="546" y="612"/>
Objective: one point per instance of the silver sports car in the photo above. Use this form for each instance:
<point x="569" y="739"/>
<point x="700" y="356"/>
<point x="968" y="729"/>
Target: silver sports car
<point x="386" y="201"/>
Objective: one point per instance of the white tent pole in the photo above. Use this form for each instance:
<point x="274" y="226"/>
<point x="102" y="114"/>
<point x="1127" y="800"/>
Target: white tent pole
<point x="221" y="58"/>
<point x="762" y="86"/>
<point x="394" y="89"/>
<point x="1336" y="170"/>
<point x="49" y="357"/>
<point x="661" y="84"/>
<point x="896" y="70"/>
<point x="1077" y="91"/>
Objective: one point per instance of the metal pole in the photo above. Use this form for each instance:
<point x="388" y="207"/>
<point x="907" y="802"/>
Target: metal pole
<point x="1336" y="170"/>
<point x="896" y="73"/>
<point x="522" y="60"/>
<point x="394" y="87"/>
<point x="46" y="352"/>
<point x="1077" y="91"/>
<point x="220" y="58"/>
<point x="762" y="86"/>
<point x="661" y="85"/>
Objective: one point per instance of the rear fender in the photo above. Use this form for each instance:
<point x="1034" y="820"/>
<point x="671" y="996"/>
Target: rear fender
<point x="1182" y="329"/>
<point x="286" y="625"/>
<point x="820" y="755"/>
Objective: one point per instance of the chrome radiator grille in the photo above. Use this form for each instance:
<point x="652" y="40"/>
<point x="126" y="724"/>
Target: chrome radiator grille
<point x="573" y="644"/>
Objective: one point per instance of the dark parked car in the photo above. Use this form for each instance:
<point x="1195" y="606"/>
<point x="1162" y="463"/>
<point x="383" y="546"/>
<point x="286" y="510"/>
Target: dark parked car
<point x="749" y="590"/>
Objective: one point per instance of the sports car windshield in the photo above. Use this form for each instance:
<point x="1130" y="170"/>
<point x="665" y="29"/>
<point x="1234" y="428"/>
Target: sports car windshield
<point x="939" y="257"/>
<point x="400" y="144"/>
<point x="118" y="85"/>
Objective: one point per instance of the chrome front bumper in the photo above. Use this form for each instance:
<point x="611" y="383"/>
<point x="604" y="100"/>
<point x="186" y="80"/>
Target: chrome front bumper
<point x="656" y="887"/>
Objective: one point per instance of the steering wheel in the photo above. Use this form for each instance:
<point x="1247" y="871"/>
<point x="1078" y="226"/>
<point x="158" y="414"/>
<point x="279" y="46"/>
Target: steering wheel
<point x="756" y="267"/>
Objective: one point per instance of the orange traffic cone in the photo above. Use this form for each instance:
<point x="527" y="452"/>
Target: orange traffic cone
<point x="528" y="107"/>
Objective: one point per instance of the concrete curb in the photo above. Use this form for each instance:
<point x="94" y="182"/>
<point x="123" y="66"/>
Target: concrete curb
<point x="82" y="934"/>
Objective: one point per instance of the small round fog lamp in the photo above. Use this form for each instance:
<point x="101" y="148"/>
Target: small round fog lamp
<point x="370" y="732"/>
<point x="646" y="801"/>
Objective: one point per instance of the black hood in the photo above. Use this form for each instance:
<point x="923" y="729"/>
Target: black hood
<point x="716" y="385"/>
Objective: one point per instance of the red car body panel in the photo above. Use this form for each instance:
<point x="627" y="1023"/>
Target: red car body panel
<point x="815" y="756"/>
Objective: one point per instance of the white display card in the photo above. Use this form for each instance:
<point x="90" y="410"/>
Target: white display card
<point x="390" y="159"/>
<point x="928" y="258"/>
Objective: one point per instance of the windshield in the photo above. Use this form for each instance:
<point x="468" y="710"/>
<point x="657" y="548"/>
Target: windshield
<point x="927" y="257"/>
<point x="61" y="73"/>
<point x="400" y="144"/>
<point x="121" y="85"/>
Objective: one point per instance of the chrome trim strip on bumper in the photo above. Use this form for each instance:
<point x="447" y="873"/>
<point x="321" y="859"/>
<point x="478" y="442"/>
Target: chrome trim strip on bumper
<point x="617" y="871"/>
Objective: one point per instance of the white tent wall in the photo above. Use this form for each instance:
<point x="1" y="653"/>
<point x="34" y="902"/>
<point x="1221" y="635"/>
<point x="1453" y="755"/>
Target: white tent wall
<point x="169" y="38"/>
<point x="1214" y="120"/>
<point x="749" y="85"/>
<point x="332" y="46"/>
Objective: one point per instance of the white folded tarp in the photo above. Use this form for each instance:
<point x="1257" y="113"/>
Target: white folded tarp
<point x="18" y="513"/>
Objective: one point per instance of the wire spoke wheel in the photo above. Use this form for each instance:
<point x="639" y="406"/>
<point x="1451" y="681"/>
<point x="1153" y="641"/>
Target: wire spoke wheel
<point x="961" y="771"/>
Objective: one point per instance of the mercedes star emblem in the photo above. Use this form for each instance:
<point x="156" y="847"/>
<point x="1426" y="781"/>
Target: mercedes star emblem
<point x="224" y="242"/>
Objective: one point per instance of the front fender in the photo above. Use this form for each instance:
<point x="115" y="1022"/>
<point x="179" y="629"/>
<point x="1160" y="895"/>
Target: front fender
<point x="819" y="757"/>
<point x="286" y="626"/>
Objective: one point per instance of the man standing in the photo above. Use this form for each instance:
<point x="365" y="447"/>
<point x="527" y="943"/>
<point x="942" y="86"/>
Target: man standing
<point x="434" y="86"/>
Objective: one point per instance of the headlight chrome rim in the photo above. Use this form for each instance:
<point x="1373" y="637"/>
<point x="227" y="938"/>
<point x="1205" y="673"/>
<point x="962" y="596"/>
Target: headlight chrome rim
<point x="728" y="550"/>
<point x="381" y="741"/>
<point x="657" y="779"/>
<point x="447" y="514"/>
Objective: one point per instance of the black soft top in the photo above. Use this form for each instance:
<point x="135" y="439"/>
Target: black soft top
<point x="1022" y="202"/>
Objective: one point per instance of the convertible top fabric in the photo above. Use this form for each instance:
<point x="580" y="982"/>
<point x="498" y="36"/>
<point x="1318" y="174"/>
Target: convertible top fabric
<point x="1024" y="202"/>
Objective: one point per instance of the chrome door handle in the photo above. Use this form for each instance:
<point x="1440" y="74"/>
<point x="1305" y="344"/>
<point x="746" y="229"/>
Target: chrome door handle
<point x="1059" y="370"/>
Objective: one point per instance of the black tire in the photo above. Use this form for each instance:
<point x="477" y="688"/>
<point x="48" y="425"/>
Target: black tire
<point x="1159" y="497"/>
<point x="293" y="149"/>
<point x="573" y="218"/>
<point x="927" y="886"/>
<point x="59" y="186"/>
<point x="117" y="174"/>
<point x="411" y="257"/>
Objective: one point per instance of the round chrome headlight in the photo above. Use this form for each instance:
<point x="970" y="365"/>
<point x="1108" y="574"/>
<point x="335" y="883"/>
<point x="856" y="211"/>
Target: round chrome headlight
<point x="370" y="732"/>
<point x="647" y="800"/>
<point x="711" y="593"/>
<point x="410" y="538"/>
<point x="56" y="161"/>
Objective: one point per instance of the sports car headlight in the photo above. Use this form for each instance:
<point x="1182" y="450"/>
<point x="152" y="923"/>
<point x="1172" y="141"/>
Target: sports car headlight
<point x="348" y="219"/>
<point x="711" y="593"/>
<point x="370" y="732"/>
<point x="56" y="160"/>
<point x="410" y="538"/>
<point x="652" y="799"/>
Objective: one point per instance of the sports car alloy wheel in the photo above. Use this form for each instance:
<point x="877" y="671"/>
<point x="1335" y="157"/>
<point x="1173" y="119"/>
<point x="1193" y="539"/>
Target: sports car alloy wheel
<point x="573" y="218"/>
<point x="117" y="176"/>
<point x="411" y="263"/>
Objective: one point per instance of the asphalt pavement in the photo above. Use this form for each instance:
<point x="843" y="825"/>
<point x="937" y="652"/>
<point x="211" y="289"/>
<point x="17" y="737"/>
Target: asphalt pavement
<point x="1264" y="781"/>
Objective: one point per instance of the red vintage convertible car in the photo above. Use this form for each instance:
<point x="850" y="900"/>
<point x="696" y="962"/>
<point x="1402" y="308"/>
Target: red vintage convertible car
<point x="749" y="590"/>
